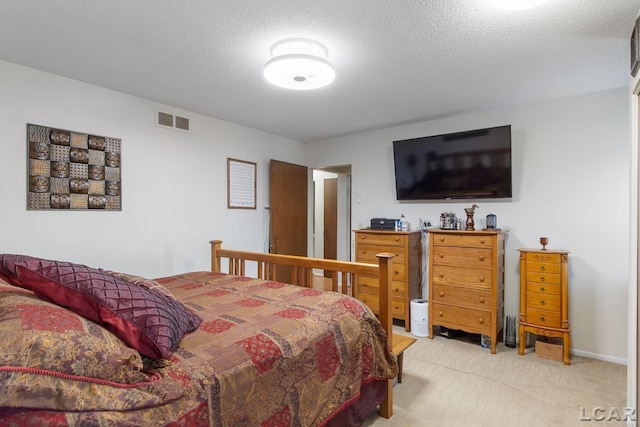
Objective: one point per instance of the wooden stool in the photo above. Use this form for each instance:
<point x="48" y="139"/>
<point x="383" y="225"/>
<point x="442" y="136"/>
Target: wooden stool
<point x="400" y="344"/>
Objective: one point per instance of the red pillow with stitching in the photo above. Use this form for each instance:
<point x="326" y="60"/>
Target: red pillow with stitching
<point x="148" y="321"/>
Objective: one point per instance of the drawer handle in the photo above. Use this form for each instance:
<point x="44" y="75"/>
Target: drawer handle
<point x="542" y="268"/>
<point x="364" y="299"/>
<point x="442" y="239"/>
<point x="396" y="289"/>
<point x="364" y="252"/>
<point x="441" y="293"/>
<point x="541" y="279"/>
<point x="541" y="288"/>
<point x="397" y="238"/>
<point x="397" y="253"/>
<point x="439" y="313"/>
<point x="396" y="306"/>
<point x="481" y="278"/>
<point x="441" y="255"/>
<point x="481" y="300"/>
<point x="542" y="302"/>
<point x="480" y="320"/>
<point x="542" y="318"/>
<point x="481" y="258"/>
<point x="482" y="241"/>
<point x="396" y="272"/>
<point x="441" y="275"/>
<point x="363" y="237"/>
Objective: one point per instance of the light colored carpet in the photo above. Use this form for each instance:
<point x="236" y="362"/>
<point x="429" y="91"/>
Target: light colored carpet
<point x="450" y="383"/>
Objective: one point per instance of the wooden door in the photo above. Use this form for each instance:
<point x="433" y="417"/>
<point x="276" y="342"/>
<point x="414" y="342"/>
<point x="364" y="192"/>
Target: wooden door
<point x="330" y="219"/>
<point x="288" y="185"/>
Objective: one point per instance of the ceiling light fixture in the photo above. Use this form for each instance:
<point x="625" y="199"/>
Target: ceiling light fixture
<point x="299" y="64"/>
<point x="518" y="4"/>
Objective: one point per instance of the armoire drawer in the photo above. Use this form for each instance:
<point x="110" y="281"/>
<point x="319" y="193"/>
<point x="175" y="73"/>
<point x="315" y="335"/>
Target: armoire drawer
<point x="543" y="301"/>
<point x="550" y="278"/>
<point x="543" y="288"/>
<point x="550" y="319"/>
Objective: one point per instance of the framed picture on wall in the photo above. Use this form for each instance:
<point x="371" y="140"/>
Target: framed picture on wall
<point x="241" y="184"/>
<point x="635" y="57"/>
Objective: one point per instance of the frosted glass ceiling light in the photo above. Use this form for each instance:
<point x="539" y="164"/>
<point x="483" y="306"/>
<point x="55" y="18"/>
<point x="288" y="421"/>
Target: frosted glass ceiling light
<point x="517" y="4"/>
<point x="299" y="64"/>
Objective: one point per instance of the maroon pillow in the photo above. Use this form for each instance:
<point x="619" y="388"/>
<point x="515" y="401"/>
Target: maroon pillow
<point x="148" y="321"/>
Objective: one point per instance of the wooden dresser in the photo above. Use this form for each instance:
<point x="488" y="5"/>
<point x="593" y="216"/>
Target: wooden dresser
<point x="406" y="280"/>
<point x="466" y="281"/>
<point x="544" y="296"/>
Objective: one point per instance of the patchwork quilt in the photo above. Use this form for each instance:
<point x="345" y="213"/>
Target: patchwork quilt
<point x="265" y="354"/>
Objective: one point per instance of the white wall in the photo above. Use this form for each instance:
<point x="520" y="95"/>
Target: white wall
<point x="174" y="183"/>
<point x="571" y="183"/>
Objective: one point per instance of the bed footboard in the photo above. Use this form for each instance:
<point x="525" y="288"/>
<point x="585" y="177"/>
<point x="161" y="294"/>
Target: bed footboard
<point x="342" y="273"/>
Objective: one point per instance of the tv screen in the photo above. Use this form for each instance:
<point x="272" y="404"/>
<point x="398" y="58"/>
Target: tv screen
<point x="474" y="164"/>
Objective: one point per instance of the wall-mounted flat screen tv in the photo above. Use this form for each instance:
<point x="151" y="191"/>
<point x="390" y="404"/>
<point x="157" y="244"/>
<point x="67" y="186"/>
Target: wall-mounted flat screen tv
<point x="474" y="164"/>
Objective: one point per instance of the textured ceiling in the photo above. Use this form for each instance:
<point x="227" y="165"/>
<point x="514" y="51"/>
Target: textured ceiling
<point x="397" y="61"/>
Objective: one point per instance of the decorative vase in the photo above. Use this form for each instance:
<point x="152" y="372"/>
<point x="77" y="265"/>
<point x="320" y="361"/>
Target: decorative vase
<point x="492" y="221"/>
<point x="470" y="212"/>
<point x="470" y="222"/>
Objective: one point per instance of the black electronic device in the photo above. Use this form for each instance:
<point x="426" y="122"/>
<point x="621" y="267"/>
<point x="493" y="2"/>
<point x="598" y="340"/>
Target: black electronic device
<point x="474" y="164"/>
<point x="384" y="224"/>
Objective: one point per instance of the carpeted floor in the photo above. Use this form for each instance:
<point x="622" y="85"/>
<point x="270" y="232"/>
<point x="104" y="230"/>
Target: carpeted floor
<point x="455" y="382"/>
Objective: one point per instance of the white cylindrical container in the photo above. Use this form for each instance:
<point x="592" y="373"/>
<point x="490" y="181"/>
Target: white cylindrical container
<point x="419" y="317"/>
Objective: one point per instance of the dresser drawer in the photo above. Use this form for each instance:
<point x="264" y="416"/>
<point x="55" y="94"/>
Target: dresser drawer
<point x="543" y="301"/>
<point x="371" y="285"/>
<point x="543" y="288"/>
<point x="475" y="321"/>
<point x="397" y="307"/>
<point x="373" y="302"/>
<point x="381" y="239"/>
<point x="368" y="252"/>
<point x="462" y="240"/>
<point x="543" y="257"/>
<point x="543" y="267"/>
<point x="470" y="277"/>
<point x="464" y="297"/>
<point x="550" y="278"/>
<point x="461" y="257"/>
<point x="550" y="319"/>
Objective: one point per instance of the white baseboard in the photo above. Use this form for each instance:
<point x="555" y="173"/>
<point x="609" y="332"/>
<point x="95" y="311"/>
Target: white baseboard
<point x="603" y="357"/>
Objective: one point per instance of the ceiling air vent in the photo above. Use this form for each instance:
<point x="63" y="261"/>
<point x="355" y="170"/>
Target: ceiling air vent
<point x="168" y="120"/>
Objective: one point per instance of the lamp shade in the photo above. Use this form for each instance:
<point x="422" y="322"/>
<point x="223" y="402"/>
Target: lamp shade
<point x="299" y="64"/>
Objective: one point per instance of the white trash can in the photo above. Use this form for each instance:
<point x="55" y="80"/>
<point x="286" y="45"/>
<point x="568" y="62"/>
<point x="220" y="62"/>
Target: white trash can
<point x="420" y="317"/>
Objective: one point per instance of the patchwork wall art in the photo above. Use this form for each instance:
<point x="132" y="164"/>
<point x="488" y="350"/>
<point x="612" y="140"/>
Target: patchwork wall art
<point x="71" y="170"/>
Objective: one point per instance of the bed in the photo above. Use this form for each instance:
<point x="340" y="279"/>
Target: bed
<point x="86" y="346"/>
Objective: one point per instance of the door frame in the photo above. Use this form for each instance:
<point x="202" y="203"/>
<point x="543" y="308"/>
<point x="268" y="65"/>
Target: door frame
<point x="344" y="214"/>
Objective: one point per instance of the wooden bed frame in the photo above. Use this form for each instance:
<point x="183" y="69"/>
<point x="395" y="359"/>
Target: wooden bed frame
<point x="302" y="275"/>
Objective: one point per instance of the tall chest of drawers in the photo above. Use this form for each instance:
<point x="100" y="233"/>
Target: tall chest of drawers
<point x="406" y="248"/>
<point x="466" y="281"/>
<point x="544" y="296"/>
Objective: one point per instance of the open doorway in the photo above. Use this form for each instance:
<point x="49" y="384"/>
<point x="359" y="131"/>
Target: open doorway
<point x="333" y="231"/>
